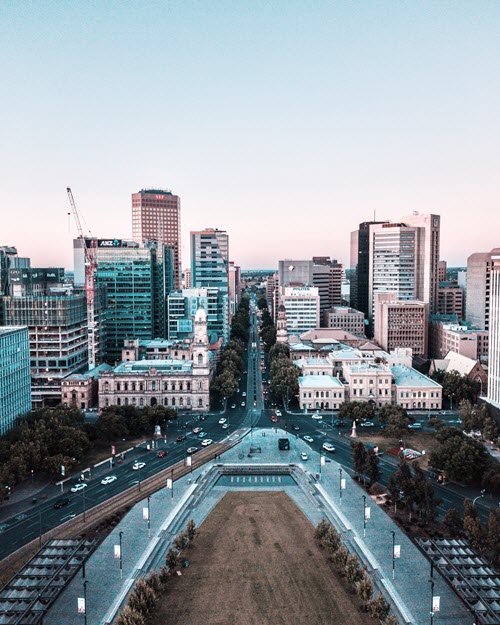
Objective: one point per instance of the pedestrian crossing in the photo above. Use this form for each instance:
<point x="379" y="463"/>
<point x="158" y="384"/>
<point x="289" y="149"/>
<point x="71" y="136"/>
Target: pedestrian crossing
<point x="241" y="481"/>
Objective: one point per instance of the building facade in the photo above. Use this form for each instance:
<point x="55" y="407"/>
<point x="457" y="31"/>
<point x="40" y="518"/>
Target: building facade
<point x="80" y="390"/>
<point x="15" y="380"/>
<point x="447" y="334"/>
<point x="345" y="318"/>
<point x="179" y="384"/>
<point x="494" y="326"/>
<point x="401" y="324"/>
<point x="302" y="308"/>
<point x="479" y="268"/>
<point x="156" y="216"/>
<point x="450" y="299"/>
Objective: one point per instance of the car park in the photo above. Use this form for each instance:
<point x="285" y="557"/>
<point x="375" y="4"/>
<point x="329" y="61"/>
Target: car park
<point x="191" y="450"/>
<point x="109" y="479"/>
<point x="138" y="465"/>
<point x="328" y="447"/>
<point x="221" y="421"/>
<point x="162" y="453"/>
<point x="308" y="438"/>
<point x="366" y="424"/>
<point x="78" y="487"/>
<point x="317" y="416"/>
<point x="60" y="503"/>
<point x="304" y="456"/>
<point x="206" y="442"/>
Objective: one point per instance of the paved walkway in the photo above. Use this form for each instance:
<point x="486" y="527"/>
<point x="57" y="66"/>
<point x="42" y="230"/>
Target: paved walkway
<point x="411" y="583"/>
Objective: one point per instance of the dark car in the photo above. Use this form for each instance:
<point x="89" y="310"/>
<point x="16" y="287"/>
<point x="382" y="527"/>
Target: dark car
<point x="60" y="503"/>
<point x="339" y="423"/>
<point x="181" y="438"/>
<point x="162" y="454"/>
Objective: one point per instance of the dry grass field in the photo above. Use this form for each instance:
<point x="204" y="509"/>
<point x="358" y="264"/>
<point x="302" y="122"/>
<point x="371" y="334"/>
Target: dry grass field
<point x="255" y="562"/>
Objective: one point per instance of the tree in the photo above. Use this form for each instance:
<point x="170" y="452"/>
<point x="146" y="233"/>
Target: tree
<point x="340" y="556"/>
<point x="181" y="541"/>
<point x="387" y="412"/>
<point x="424" y="496"/>
<point x="457" y="386"/>
<point x="321" y="529"/>
<point x="172" y="560"/>
<point x="262" y="303"/>
<point x="404" y="481"/>
<point x="143" y="598"/>
<point x="353" y="571"/>
<point x="129" y="616"/>
<point x="472" y="416"/>
<point x="452" y="523"/>
<point x="111" y="426"/>
<point x="493" y="536"/>
<point x="280" y="349"/>
<point x="191" y="529"/>
<point x="489" y="429"/>
<point x="391" y="620"/>
<point x="460" y="457"/>
<point x="378" y="608"/>
<point x="358" y="410"/>
<point x="364" y="588"/>
<point x="331" y="541"/>
<point x="359" y="457"/>
<point x="372" y="470"/>
<point x="284" y="379"/>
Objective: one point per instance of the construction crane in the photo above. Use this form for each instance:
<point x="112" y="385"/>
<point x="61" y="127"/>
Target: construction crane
<point x="90" y="279"/>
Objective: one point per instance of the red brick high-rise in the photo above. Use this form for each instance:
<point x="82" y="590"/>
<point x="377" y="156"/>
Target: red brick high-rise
<point x="156" y="216"/>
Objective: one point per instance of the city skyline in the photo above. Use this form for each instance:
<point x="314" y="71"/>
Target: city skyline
<point x="256" y="117"/>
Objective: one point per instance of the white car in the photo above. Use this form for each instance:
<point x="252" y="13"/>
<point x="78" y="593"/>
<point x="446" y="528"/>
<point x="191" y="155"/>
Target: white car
<point x="206" y="442"/>
<point x="78" y="487"/>
<point x="304" y="456"/>
<point x="225" y="426"/>
<point x="191" y="450"/>
<point x="278" y="413"/>
<point x="317" y="416"/>
<point x="242" y="404"/>
<point x="138" y="465"/>
<point x="243" y="394"/>
<point x="196" y="430"/>
<point x="366" y="424"/>
<point x="308" y="438"/>
<point x="221" y="421"/>
<point x="109" y="479"/>
<point x="328" y="447"/>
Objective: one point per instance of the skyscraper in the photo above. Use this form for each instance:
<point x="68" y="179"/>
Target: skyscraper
<point x="478" y="301"/>
<point x="156" y="216"/>
<point x="494" y="346"/>
<point x="210" y="268"/>
<point x="15" y="381"/>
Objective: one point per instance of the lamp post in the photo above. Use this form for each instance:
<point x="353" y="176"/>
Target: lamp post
<point x="149" y="517"/>
<point x="340" y="485"/>
<point x="431" y="580"/>
<point x="364" y="515"/>
<point x="40" y="520"/>
<point x="172" y="479"/>
<point x="85" y="601"/>
<point x="451" y="402"/>
<point x="121" y="555"/>
<point x="84" y="506"/>
<point x="139" y="476"/>
<point x="478" y="497"/>
<point x="393" y="554"/>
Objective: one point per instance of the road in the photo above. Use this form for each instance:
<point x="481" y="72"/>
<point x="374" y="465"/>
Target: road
<point x="35" y="519"/>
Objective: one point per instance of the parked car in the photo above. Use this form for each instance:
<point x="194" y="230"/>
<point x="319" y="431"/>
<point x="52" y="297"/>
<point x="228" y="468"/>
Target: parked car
<point x="278" y="413"/>
<point x="78" y="487"/>
<point x="225" y="426"/>
<point x="328" y="447"/>
<point x="202" y="435"/>
<point x="415" y="426"/>
<point x="366" y="424"/>
<point x="244" y="394"/>
<point x="196" y="430"/>
<point x="162" y="453"/>
<point x="60" y="503"/>
<point x="109" y="479"/>
<point x="138" y="465"/>
<point x="233" y="406"/>
<point x="274" y="419"/>
<point x="308" y="438"/>
<point x="339" y="423"/>
<point x="317" y="416"/>
<point x="242" y="404"/>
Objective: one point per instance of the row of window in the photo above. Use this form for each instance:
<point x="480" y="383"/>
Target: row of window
<point x="179" y="402"/>
<point x="322" y="394"/>
<point x="419" y="394"/>
<point x="359" y="391"/>
<point x="149" y="386"/>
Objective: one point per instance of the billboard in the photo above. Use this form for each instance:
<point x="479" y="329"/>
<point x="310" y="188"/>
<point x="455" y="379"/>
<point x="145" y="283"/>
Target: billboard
<point x="109" y="242"/>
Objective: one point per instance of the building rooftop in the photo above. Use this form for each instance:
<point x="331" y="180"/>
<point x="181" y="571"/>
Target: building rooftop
<point x="407" y="376"/>
<point x="366" y="367"/>
<point x="93" y="373"/>
<point x="156" y="191"/>
<point x="10" y="329"/>
<point x="319" y="381"/>
<point x="164" y="366"/>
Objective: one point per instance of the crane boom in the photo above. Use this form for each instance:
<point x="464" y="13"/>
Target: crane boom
<point x="90" y="271"/>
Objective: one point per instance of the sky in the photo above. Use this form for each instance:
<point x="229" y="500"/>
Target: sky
<point x="286" y="123"/>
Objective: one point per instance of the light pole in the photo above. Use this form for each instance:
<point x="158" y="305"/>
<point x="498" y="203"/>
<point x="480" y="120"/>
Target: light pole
<point x="139" y="476"/>
<point x="478" y="497"/>
<point x="431" y="580"/>
<point x="121" y="555"/>
<point x="85" y="601"/>
<point x="172" y="479"/>
<point x="393" y="554"/>
<point x="340" y="485"/>
<point x="149" y="517"/>
<point x="364" y="516"/>
<point x="451" y="402"/>
<point x="84" y="505"/>
<point x="40" y="537"/>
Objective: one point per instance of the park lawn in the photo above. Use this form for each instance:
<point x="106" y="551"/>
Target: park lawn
<point x="414" y="440"/>
<point x="255" y="562"/>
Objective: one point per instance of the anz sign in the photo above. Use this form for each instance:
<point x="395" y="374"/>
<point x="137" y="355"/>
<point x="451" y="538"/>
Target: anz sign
<point x="109" y="243"/>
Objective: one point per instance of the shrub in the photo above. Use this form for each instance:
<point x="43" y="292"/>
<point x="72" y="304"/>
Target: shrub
<point x="378" y="608"/>
<point x="191" y="529"/>
<point x="181" y="541"/>
<point x="331" y="541"/>
<point x="143" y="598"/>
<point x="153" y="580"/>
<point x="352" y="571"/>
<point x="364" y="588"/>
<point x="321" y="529"/>
<point x="172" y="560"/>
<point x="340" y="556"/>
<point x="129" y="616"/>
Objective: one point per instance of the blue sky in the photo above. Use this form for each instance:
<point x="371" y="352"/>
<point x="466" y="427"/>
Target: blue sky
<point x="286" y="123"/>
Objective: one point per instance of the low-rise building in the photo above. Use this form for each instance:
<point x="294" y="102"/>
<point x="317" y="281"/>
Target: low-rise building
<point x="447" y="334"/>
<point x="414" y="390"/>
<point x="345" y="318"/>
<point x="81" y="390"/>
<point x="369" y="382"/>
<point x="470" y="368"/>
<point x="320" y="392"/>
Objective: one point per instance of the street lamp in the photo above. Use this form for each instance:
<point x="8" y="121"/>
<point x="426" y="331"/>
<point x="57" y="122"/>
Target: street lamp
<point x="393" y="554"/>
<point x="85" y="601"/>
<point x="340" y="485"/>
<point x="451" y="402"/>
<point x="364" y="516"/>
<point x="84" y="506"/>
<point x="121" y="555"/>
<point x="149" y="517"/>
<point x="478" y="497"/>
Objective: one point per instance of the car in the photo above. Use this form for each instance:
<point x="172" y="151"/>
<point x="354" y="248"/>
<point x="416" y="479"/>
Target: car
<point x="60" y="503"/>
<point x="181" y="438"/>
<point x="366" y="424"/>
<point x="274" y="419"/>
<point x="242" y="404"/>
<point x="206" y="442"/>
<point x="278" y="413"/>
<point x="308" y="438"/>
<point x="233" y="406"/>
<point x="202" y="435"/>
<point x="243" y="394"/>
<point x="162" y="453"/>
<point x="203" y="417"/>
<point x="138" y="465"/>
<point x="415" y="426"/>
<point x="328" y="447"/>
<point x="221" y="421"/>
<point x="339" y="423"/>
<point x="304" y="456"/>
<point x="316" y="416"/>
<point x="109" y="479"/>
<point x="295" y="427"/>
<point x="196" y="430"/>
<point x="225" y="426"/>
<point x="78" y="487"/>
<point x="191" y="450"/>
